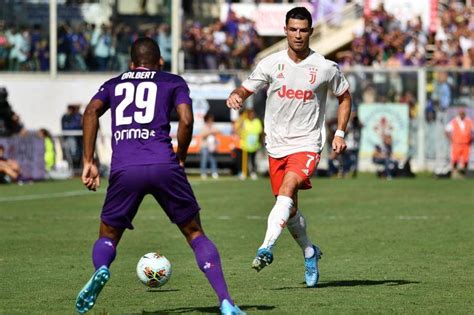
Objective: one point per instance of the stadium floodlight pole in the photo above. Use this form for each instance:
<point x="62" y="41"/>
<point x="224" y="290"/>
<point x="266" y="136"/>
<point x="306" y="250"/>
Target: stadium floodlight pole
<point x="53" y="38"/>
<point x="176" y="8"/>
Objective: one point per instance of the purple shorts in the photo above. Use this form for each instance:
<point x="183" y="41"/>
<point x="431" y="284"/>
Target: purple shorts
<point x="166" y="182"/>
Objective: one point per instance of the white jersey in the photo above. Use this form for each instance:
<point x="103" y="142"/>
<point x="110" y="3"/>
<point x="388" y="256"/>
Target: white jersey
<point x="296" y="100"/>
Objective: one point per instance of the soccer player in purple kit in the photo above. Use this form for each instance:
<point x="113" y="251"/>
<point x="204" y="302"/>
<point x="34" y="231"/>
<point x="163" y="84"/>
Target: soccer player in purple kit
<point x="143" y="162"/>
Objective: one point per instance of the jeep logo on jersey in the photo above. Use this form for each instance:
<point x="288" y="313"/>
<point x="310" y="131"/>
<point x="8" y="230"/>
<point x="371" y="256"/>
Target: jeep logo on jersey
<point x="298" y="94"/>
<point x="312" y="75"/>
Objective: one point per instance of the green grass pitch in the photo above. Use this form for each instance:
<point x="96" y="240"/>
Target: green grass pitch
<point x="401" y="246"/>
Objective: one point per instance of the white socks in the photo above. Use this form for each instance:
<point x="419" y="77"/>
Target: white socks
<point x="297" y="228"/>
<point x="277" y="220"/>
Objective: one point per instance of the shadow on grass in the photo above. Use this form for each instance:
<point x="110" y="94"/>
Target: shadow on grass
<point x="209" y="309"/>
<point x="162" y="290"/>
<point x="353" y="283"/>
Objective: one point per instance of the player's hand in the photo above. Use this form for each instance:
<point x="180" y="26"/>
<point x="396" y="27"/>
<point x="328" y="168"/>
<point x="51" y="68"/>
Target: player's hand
<point x="338" y="145"/>
<point x="90" y="176"/>
<point x="181" y="163"/>
<point x="235" y="101"/>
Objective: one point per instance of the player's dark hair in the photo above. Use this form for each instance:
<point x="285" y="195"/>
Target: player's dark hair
<point x="145" y="51"/>
<point x="299" y="13"/>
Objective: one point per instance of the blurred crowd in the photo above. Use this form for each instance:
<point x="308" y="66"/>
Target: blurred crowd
<point x="386" y="42"/>
<point x="89" y="47"/>
<point x="81" y="47"/>
<point x="232" y="44"/>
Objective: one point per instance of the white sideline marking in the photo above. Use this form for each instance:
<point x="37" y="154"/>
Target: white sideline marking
<point x="72" y="193"/>
<point x="413" y="217"/>
<point x="63" y="194"/>
<point x="223" y="217"/>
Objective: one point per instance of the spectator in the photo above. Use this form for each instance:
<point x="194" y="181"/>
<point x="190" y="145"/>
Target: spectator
<point x="17" y="127"/>
<point x="49" y="153"/>
<point x="9" y="168"/>
<point x="101" y="43"/>
<point x="165" y="42"/>
<point x="251" y="133"/>
<point x="383" y="156"/>
<point x="64" y="47"/>
<point x="124" y="40"/>
<point x="72" y="121"/>
<point x="79" y="49"/>
<point x="209" y="146"/>
<point x="4" y="46"/>
<point x="441" y="92"/>
<point x="20" y="48"/>
<point x="460" y="130"/>
<point x="42" y="55"/>
<point x="6" y="114"/>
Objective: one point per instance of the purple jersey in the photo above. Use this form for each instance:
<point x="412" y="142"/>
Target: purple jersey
<point x="141" y="102"/>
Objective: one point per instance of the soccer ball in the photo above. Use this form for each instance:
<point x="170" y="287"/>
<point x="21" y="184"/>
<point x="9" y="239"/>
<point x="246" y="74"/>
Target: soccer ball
<point x="154" y="270"/>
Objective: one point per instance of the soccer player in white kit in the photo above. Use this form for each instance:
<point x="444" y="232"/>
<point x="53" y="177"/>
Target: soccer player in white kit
<point x="298" y="80"/>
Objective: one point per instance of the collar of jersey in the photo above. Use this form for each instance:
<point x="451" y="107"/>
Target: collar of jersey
<point x="142" y="68"/>
<point x="302" y="62"/>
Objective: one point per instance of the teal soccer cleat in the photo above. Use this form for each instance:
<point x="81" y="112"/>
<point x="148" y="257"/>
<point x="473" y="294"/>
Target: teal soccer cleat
<point x="229" y="309"/>
<point x="88" y="295"/>
<point x="311" y="274"/>
<point x="264" y="258"/>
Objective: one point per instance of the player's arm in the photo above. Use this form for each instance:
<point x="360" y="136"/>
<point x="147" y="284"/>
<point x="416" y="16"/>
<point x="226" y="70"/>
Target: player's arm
<point x="90" y="126"/>
<point x="237" y="98"/>
<point x="185" y="131"/>
<point x="343" y="114"/>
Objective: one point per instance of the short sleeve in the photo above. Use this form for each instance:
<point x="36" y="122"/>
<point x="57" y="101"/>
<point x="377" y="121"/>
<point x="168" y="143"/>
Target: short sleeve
<point x="181" y="94"/>
<point x="256" y="80"/>
<point x="338" y="83"/>
<point x="102" y="95"/>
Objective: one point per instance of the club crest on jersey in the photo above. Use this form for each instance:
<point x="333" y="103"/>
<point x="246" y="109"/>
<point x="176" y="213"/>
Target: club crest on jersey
<point x="312" y="75"/>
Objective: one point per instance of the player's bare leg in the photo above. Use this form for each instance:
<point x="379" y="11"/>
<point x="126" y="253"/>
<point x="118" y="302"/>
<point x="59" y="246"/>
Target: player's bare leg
<point x="103" y="254"/>
<point x="12" y="172"/>
<point x="209" y="261"/>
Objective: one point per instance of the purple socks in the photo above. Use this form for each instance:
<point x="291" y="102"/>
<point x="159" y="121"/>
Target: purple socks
<point x="208" y="260"/>
<point x="103" y="252"/>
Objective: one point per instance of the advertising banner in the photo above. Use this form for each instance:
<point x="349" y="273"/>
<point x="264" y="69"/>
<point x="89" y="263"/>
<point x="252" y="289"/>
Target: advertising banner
<point x="269" y="18"/>
<point x="28" y="151"/>
<point x="381" y="120"/>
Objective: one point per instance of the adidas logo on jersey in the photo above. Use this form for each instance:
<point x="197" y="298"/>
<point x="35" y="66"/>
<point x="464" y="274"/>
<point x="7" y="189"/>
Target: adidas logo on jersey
<point x="298" y="94"/>
<point x="280" y="76"/>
